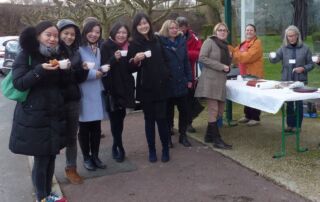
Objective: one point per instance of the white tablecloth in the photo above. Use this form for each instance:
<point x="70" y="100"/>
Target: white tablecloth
<point x="268" y="100"/>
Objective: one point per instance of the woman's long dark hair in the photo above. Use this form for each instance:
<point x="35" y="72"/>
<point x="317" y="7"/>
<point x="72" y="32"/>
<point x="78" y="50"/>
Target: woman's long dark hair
<point x="115" y="28"/>
<point x="88" y="28"/>
<point x="136" y="21"/>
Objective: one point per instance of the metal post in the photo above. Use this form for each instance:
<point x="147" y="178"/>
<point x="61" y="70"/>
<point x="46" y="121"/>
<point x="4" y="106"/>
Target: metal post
<point x="228" y="21"/>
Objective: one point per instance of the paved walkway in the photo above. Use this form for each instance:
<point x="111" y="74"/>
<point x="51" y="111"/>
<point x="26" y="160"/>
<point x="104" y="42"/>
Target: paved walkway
<point x="196" y="174"/>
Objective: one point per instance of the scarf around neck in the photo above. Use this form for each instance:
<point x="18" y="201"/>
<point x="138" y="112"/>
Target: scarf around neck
<point x="224" y="51"/>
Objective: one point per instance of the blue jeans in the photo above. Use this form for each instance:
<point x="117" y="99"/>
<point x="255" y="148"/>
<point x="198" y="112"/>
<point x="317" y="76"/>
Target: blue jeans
<point x="292" y="108"/>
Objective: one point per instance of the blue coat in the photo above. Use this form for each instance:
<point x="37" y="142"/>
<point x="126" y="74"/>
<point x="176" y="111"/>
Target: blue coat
<point x="92" y="107"/>
<point x="176" y="57"/>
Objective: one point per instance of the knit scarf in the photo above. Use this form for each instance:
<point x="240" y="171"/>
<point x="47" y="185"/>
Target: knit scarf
<point x="224" y="51"/>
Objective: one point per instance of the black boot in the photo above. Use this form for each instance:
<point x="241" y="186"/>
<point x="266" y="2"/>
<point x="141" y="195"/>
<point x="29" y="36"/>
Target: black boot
<point x="191" y="129"/>
<point x="183" y="139"/>
<point x="115" y="151"/>
<point x="98" y="163"/>
<point x="152" y="155"/>
<point x="209" y="134"/>
<point x="88" y="163"/>
<point x="121" y="155"/>
<point x="217" y="141"/>
<point x="165" y="155"/>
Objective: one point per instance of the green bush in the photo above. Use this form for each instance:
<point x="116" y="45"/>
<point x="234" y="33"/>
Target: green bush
<point x="206" y="31"/>
<point x="316" y="36"/>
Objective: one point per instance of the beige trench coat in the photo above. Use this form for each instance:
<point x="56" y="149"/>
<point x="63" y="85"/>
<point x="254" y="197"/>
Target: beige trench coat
<point x="212" y="81"/>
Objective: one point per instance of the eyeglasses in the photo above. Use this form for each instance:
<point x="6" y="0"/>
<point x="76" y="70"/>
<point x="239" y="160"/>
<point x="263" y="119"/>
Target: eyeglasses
<point x="222" y="30"/>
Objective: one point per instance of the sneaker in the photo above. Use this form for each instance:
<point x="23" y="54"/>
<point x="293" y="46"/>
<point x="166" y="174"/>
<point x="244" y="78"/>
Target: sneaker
<point x="54" y="198"/>
<point x="253" y="123"/>
<point x="243" y="120"/>
<point x="73" y="176"/>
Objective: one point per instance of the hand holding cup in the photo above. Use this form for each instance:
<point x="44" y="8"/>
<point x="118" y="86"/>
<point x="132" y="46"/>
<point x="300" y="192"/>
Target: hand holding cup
<point x="147" y="53"/>
<point x="64" y="64"/>
<point x="273" y="55"/>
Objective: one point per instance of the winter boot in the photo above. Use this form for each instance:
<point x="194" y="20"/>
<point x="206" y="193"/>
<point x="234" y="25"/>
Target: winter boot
<point x="217" y="141"/>
<point x="183" y="139"/>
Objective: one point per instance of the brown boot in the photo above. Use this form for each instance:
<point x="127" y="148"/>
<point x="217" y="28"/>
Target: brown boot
<point x="73" y="176"/>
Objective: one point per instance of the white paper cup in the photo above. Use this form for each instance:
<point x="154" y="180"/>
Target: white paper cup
<point x="64" y="64"/>
<point x="239" y="78"/>
<point x="273" y="54"/>
<point x="147" y="53"/>
<point x="105" y="68"/>
<point x="90" y="65"/>
<point x="314" y="58"/>
<point x="124" y="53"/>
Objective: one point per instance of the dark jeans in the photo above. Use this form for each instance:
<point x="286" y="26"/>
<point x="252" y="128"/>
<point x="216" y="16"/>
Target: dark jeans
<point x="116" y="122"/>
<point x="182" y="106"/>
<point x="252" y="113"/>
<point x="72" y="117"/>
<point x="155" y="112"/>
<point x="163" y="133"/>
<point x="292" y="108"/>
<point x="42" y="174"/>
<point x="89" y="138"/>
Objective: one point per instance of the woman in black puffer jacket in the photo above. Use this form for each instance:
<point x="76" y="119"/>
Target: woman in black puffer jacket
<point x="39" y="122"/>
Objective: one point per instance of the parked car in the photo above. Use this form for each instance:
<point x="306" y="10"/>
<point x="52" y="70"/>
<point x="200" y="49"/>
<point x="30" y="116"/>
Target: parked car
<point x="11" y="49"/>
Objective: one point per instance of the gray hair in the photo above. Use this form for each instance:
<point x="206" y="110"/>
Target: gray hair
<point x="182" y="21"/>
<point x="294" y="29"/>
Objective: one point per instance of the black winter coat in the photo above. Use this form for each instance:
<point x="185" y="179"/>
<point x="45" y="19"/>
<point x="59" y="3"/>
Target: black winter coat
<point x="153" y="74"/>
<point x="177" y="60"/>
<point x="75" y="75"/>
<point x="119" y="81"/>
<point x="39" y="122"/>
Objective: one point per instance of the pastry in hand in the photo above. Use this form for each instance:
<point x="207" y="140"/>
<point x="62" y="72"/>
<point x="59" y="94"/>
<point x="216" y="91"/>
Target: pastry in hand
<point x="54" y="62"/>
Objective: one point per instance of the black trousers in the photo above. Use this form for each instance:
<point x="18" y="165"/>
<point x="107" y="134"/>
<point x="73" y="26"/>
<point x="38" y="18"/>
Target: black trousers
<point x="182" y="105"/>
<point x="89" y="138"/>
<point x="42" y="174"/>
<point x="291" y="110"/>
<point x="116" y="122"/>
<point x="252" y="113"/>
<point x="155" y="113"/>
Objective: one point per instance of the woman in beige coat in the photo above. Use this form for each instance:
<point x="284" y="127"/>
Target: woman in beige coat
<point x="216" y="58"/>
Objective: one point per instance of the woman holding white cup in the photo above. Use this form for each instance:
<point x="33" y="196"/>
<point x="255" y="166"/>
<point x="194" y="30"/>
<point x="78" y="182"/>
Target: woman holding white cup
<point x="296" y="60"/>
<point x="152" y="81"/>
<point x="92" y="109"/>
<point x="118" y="84"/>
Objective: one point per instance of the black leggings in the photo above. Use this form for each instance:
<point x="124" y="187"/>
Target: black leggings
<point x="42" y="174"/>
<point x="89" y="138"/>
<point x="116" y="122"/>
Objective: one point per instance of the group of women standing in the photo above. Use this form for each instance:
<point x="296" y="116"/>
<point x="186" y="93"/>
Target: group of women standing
<point x="98" y="84"/>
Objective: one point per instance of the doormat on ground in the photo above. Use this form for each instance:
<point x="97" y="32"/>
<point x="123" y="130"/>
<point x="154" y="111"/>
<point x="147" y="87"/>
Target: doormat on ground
<point x="253" y="147"/>
<point x="113" y="167"/>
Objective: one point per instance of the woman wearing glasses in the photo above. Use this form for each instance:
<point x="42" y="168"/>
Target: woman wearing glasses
<point x="215" y="57"/>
